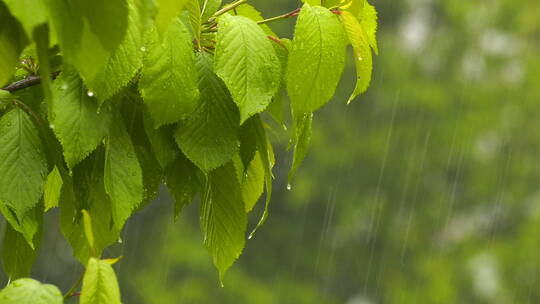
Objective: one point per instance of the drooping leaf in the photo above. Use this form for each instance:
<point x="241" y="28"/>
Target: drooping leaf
<point x="316" y="60"/>
<point x="368" y="20"/>
<point x="99" y="284"/>
<point x="125" y="61"/>
<point x="30" y="13"/>
<point x="89" y="32"/>
<point x="41" y="38"/>
<point x="23" y="167"/>
<point x="182" y="182"/>
<point x="168" y="10"/>
<point x="162" y="140"/>
<point x="30" y="291"/>
<point x="86" y="190"/>
<point x="12" y="42"/>
<point x="222" y="216"/>
<point x="253" y="182"/>
<point x="209" y="137"/>
<point x="5" y="98"/>
<point x="247" y="63"/>
<point x="78" y="124"/>
<point x="17" y="255"/>
<point x="363" y="59"/>
<point x="123" y="175"/>
<point x="208" y="8"/>
<point x="300" y="142"/>
<point x="53" y="188"/>
<point x="28" y="226"/>
<point x="256" y="128"/>
<point x="168" y="82"/>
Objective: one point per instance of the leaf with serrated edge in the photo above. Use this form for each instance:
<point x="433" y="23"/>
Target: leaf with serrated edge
<point x="316" y="60"/>
<point x="223" y="219"/>
<point x="168" y="82"/>
<point x="78" y="124"/>
<point x="53" y="187"/>
<point x="30" y="291"/>
<point x="23" y="167"/>
<point x="362" y="53"/>
<point x="209" y="137"/>
<point x="123" y="174"/>
<point x="124" y="62"/>
<point x="247" y="63"/>
<point x="99" y="284"/>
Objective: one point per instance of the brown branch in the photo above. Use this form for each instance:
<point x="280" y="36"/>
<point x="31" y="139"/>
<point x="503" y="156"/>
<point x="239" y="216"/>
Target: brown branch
<point x="27" y="82"/>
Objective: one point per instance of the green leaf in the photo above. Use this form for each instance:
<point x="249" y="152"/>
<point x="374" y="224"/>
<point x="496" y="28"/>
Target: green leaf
<point x="99" y="284"/>
<point x="256" y="128"/>
<point x="89" y="31"/>
<point x="123" y="174"/>
<point x="5" y="98"/>
<point x="253" y="182"/>
<point x="247" y="63"/>
<point x="108" y="20"/>
<point x="29" y="291"/>
<point x="30" y="13"/>
<point x="168" y="82"/>
<point x="78" y="123"/>
<point x="312" y="2"/>
<point x="316" y="60"/>
<point x="301" y="141"/>
<point x="194" y="14"/>
<point x="13" y="41"/>
<point x="17" y="255"/>
<point x="28" y="226"/>
<point x="167" y="11"/>
<point x="209" y="137"/>
<point x="23" y="164"/>
<point x="162" y="141"/>
<point x="41" y="37"/>
<point x="86" y="190"/>
<point x="88" y="232"/>
<point x="182" y="182"/>
<point x="368" y="20"/>
<point x="53" y="188"/>
<point x="362" y="53"/>
<point x="125" y="61"/>
<point x="223" y="219"/>
<point x="208" y="8"/>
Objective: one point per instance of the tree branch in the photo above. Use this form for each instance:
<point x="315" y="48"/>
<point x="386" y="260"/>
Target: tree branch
<point x="27" y="82"/>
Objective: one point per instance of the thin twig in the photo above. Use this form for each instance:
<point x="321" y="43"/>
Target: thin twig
<point x="27" y="82"/>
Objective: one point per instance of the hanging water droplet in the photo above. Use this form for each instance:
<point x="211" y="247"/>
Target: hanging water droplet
<point x="51" y="126"/>
<point x="289" y="187"/>
<point x="120" y="241"/>
<point x="90" y="93"/>
<point x="250" y="236"/>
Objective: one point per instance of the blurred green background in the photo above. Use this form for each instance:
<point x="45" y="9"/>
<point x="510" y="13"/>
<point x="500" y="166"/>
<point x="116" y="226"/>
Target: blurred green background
<point x="424" y="190"/>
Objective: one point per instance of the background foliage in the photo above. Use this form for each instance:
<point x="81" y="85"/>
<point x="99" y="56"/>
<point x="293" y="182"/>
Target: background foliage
<point x="425" y="191"/>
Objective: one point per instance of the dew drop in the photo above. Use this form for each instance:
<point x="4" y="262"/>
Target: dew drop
<point x="90" y="93"/>
<point x="120" y="241"/>
<point x="143" y="49"/>
<point x="51" y="126"/>
<point x="289" y="187"/>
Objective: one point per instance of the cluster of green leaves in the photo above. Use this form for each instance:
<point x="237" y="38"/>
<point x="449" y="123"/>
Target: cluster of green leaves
<point x="152" y="92"/>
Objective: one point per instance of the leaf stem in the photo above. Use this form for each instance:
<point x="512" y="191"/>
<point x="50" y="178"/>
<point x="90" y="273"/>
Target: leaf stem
<point x="281" y="17"/>
<point x="229" y="7"/>
<point x="72" y="291"/>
